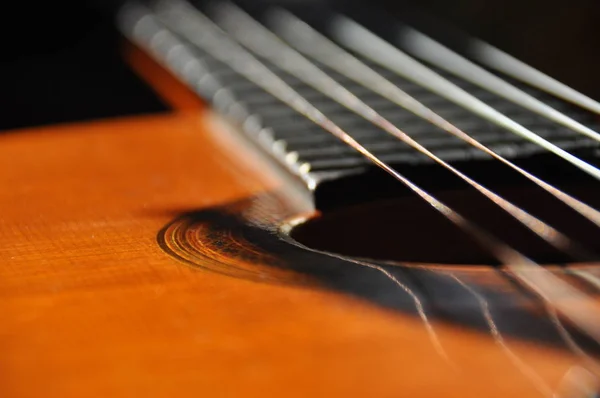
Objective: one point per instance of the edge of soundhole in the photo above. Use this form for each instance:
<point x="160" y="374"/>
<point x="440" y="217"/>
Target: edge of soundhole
<point x="407" y="230"/>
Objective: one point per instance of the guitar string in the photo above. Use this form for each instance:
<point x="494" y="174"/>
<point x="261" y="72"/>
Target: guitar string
<point x="295" y="62"/>
<point x="580" y="310"/>
<point x="441" y="56"/>
<point x="499" y="60"/>
<point x="519" y="363"/>
<point x="591" y="363"/>
<point x="590" y="278"/>
<point x="433" y="336"/>
<point x="364" y="42"/>
<point x="534" y="377"/>
<point x="309" y="41"/>
<point x="142" y="18"/>
<point x="257" y="38"/>
<point x="578" y="382"/>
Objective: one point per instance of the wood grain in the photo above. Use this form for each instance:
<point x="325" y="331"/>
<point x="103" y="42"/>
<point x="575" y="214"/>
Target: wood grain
<point x="92" y="306"/>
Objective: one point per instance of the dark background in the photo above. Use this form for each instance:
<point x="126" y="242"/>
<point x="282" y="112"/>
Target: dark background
<point x="60" y="60"/>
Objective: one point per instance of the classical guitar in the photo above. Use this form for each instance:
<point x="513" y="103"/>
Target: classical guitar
<point x="340" y="201"/>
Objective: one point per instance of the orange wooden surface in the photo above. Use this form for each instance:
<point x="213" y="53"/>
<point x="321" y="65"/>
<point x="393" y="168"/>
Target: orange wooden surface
<point x="91" y="306"/>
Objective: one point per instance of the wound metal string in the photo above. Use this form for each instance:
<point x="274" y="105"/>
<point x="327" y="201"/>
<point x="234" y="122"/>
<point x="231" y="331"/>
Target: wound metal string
<point x="428" y="49"/>
<point x="361" y="40"/>
<point x="433" y="336"/>
<point x="200" y="31"/>
<point x="263" y="42"/>
<point x="497" y="59"/>
<point x="309" y="41"/>
<point x="519" y="363"/>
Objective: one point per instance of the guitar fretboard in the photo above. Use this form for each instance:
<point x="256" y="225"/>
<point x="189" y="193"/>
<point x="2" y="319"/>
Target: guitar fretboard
<point x="312" y="153"/>
<point x="326" y="108"/>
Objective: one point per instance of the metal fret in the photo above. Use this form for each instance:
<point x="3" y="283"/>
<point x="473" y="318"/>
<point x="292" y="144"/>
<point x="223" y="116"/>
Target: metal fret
<point x="306" y="150"/>
<point x="205" y="34"/>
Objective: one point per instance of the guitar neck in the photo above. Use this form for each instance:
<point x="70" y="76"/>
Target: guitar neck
<point x="309" y="152"/>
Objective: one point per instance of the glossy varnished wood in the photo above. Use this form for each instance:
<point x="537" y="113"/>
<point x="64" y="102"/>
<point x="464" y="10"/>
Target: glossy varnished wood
<point x="93" y="306"/>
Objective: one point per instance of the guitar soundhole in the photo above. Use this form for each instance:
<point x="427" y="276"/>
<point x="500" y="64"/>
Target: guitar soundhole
<point x="406" y="229"/>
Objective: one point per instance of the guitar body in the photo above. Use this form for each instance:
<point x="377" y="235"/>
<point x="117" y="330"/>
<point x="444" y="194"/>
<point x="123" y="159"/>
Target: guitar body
<point x="147" y="256"/>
